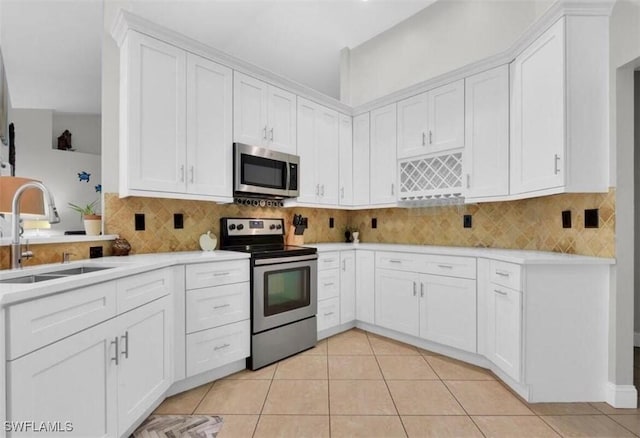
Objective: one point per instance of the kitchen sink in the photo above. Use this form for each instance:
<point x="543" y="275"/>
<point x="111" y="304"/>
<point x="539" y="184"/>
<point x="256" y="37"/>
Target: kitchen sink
<point x="52" y="275"/>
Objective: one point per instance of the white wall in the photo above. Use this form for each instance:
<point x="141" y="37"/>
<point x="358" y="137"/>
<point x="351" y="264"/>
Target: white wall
<point x="85" y="131"/>
<point x="440" y="38"/>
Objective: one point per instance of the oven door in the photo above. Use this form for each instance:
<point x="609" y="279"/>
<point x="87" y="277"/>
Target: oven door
<point x="260" y="171"/>
<point x="284" y="291"/>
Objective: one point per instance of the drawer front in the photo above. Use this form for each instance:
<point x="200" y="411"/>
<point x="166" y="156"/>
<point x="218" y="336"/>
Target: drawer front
<point x="140" y="289"/>
<point x="451" y="266"/>
<point x="217" y="273"/>
<point x="210" y="349"/>
<point x="506" y="274"/>
<point x="40" y="322"/>
<point x="328" y="260"/>
<point x="399" y="261"/>
<point x="328" y="313"/>
<point x="211" y="307"/>
<point x="328" y="284"/>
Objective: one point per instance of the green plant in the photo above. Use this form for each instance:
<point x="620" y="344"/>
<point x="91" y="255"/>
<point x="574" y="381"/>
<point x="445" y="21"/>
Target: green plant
<point x="86" y="210"/>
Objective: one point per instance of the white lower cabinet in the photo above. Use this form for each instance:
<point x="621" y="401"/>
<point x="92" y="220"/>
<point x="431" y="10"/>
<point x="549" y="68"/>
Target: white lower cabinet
<point x="396" y="305"/>
<point x="102" y="379"/>
<point x="328" y="313"/>
<point x="365" y="286"/>
<point x="347" y="286"/>
<point x="504" y="329"/>
<point x="210" y="349"/>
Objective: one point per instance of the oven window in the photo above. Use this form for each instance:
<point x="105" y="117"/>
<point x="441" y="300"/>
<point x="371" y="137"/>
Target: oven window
<point x="286" y="289"/>
<point x="263" y="172"/>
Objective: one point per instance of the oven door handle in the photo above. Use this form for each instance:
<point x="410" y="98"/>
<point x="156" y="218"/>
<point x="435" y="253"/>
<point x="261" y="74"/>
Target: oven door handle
<point x="261" y="262"/>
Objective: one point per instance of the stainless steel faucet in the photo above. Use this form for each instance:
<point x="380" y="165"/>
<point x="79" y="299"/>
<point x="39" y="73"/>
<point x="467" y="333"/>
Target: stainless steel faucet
<point x="54" y="218"/>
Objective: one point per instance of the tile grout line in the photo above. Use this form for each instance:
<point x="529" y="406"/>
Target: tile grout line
<point x="463" y="408"/>
<point x="622" y="425"/>
<point x="328" y="387"/>
<point x="264" y="402"/>
<point x="203" y="397"/>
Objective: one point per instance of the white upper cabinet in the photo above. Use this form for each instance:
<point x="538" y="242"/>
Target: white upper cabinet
<point x="383" y="155"/>
<point x="346" y="160"/>
<point x="361" y="169"/>
<point x="319" y="150"/>
<point x="176" y="114"/>
<point x="431" y="121"/>
<point x="486" y="155"/>
<point x="559" y="110"/>
<point x="264" y="115"/>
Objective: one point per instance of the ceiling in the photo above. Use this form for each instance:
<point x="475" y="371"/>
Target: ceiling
<point x="52" y="48"/>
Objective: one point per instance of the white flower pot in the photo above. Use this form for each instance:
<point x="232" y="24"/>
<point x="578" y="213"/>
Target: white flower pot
<point x="93" y="225"/>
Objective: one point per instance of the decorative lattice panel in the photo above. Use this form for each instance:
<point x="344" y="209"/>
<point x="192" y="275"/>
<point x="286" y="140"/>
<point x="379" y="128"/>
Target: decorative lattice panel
<point x="435" y="177"/>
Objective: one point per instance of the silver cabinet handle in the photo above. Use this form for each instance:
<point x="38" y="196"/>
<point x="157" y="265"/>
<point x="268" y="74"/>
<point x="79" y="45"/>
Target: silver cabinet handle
<point x="125" y="352"/>
<point x="424" y="139"/>
<point x="328" y="284"/>
<point x="264" y="133"/>
<point x="430" y="137"/>
<point x="415" y="291"/>
<point x="328" y="260"/>
<point x="500" y="292"/>
<point x="322" y="190"/>
<point x="445" y="266"/>
<point x="468" y="180"/>
<point x="220" y="274"/>
<point x="393" y="189"/>
<point x="192" y="171"/>
<point x="317" y="189"/>
<point x="117" y="344"/>
<point x="222" y="306"/>
<point x="220" y="347"/>
<point x="502" y="273"/>
<point x="395" y="261"/>
<point x="328" y="314"/>
<point x="271" y="134"/>
<point x="342" y="193"/>
<point x="421" y="290"/>
<point x="182" y="173"/>
<point x="556" y="159"/>
<point x="344" y="265"/>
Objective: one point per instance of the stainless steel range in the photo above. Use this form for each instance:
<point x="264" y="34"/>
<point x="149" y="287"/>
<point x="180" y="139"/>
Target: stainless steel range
<point x="283" y="288"/>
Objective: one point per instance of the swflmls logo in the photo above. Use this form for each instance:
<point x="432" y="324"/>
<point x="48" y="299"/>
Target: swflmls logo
<point x="38" y="426"/>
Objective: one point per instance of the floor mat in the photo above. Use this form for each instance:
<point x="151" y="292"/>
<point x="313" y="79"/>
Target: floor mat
<point x="179" y="426"/>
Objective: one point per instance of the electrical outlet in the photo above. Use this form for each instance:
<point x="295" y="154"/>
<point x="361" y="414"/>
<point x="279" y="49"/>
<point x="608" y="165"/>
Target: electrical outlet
<point x="591" y="218"/>
<point x="139" y="221"/>
<point x="178" y="221"/>
<point x="95" y="252"/>
<point x="305" y="222"/>
<point x="466" y="221"/>
<point x="331" y="222"/>
<point x="566" y="219"/>
<point x="374" y="222"/>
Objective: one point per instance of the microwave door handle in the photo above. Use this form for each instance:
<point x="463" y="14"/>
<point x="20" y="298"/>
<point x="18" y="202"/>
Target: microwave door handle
<point x="288" y="183"/>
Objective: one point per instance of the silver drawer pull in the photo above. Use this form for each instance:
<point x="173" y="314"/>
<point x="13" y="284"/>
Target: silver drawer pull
<point x="500" y="292"/>
<point x="220" y="274"/>
<point x="117" y="344"/>
<point x="395" y="261"/>
<point x="445" y="266"/>
<point x="220" y="347"/>
<point x="125" y="352"/>
<point x="503" y="273"/>
<point x="328" y="284"/>
<point x="329" y="260"/>
<point x="328" y="314"/>
<point x="222" y="306"/>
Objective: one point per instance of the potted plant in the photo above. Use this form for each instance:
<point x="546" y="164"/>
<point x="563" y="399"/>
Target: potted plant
<point x="92" y="220"/>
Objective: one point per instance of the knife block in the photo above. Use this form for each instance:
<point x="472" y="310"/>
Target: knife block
<point x="292" y="239"/>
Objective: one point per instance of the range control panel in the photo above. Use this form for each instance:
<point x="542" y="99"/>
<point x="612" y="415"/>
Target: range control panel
<point x="254" y="227"/>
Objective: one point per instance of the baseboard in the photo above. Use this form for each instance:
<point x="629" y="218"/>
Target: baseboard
<point x="636" y="339"/>
<point x="621" y="396"/>
<point x="335" y="330"/>
<point x="207" y="376"/>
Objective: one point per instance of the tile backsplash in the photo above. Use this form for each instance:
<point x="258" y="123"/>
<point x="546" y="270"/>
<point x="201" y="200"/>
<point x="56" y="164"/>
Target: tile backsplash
<point x="52" y="252"/>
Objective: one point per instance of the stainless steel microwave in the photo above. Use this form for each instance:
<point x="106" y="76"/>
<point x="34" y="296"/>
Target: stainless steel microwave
<point x="261" y="172"/>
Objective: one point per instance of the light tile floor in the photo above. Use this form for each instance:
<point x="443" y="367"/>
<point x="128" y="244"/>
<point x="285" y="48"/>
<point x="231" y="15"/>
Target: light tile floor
<point x="358" y="384"/>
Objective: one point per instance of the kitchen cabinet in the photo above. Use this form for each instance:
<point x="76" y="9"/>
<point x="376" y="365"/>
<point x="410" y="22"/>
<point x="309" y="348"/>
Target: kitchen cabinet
<point x="365" y="286"/>
<point x="504" y="328"/>
<point x="264" y="115"/>
<point x="319" y="150"/>
<point x="361" y="154"/>
<point x="559" y="110"/>
<point x="347" y="286"/>
<point x="396" y="301"/>
<point x="383" y="155"/>
<point x="346" y="160"/>
<point x="486" y="147"/>
<point x="329" y="289"/>
<point x="176" y="123"/>
<point x="432" y="121"/>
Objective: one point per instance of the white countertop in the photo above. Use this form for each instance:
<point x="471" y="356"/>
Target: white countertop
<point x="11" y="293"/>
<point x="507" y="255"/>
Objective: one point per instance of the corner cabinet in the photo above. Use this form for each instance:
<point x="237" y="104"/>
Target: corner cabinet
<point x="559" y="110"/>
<point x="176" y="111"/>
<point x="346" y="160"/>
<point x="361" y="155"/>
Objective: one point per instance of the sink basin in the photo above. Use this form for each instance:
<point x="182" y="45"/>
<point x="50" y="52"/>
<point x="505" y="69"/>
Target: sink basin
<point x="26" y="279"/>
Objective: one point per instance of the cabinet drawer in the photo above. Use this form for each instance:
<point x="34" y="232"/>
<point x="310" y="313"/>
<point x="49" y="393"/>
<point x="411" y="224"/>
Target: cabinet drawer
<point x="210" y="349"/>
<point x="328" y="313"/>
<point x="328" y="260"/>
<point x="217" y="273"/>
<point x="211" y="307"/>
<point x="140" y="289"/>
<point x="506" y="274"/>
<point x="399" y="261"/>
<point x="451" y="266"/>
<point x="328" y="284"/>
<point x="45" y="320"/>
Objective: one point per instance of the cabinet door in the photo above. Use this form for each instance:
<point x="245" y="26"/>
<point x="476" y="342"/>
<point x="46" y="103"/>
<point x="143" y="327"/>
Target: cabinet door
<point x="144" y="369"/>
<point x="249" y="110"/>
<point x="412" y="126"/>
<point x="209" y="124"/>
<point x="504" y="329"/>
<point x="155" y="149"/>
<point x="281" y="110"/>
<point x="538" y="114"/>
<point x="383" y="155"/>
<point x="347" y="286"/>
<point x="346" y="160"/>
<point x="71" y="380"/>
<point x="397" y="301"/>
<point x="446" y="117"/>
<point x="308" y="185"/>
<point x="448" y="311"/>
<point x="327" y="155"/>
<point x="365" y="286"/>
<point x="361" y="181"/>
<point x="486" y="156"/>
